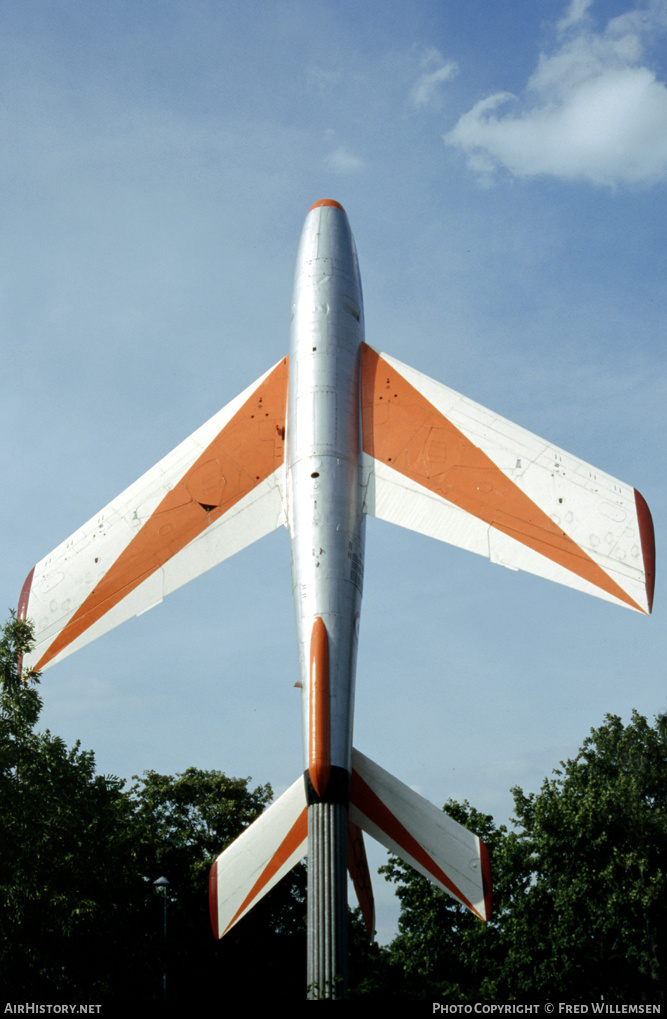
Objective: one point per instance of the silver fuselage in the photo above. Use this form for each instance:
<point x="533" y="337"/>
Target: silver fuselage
<point x="323" y="460"/>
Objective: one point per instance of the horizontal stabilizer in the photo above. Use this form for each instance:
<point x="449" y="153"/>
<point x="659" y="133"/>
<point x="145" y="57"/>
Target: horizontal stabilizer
<point x="442" y="465"/>
<point x="421" y="835"/>
<point x="213" y="495"/>
<point x="266" y="851"/>
<point x="258" y="859"/>
<point x="405" y="823"/>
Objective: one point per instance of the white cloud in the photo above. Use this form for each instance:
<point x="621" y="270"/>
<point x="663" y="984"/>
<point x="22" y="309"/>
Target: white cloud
<point x="435" y="72"/>
<point x="592" y="110"/>
<point x="343" y="161"/>
<point x="576" y="11"/>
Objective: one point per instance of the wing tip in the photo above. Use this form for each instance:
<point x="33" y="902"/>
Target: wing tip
<point x="22" y="610"/>
<point x="24" y="598"/>
<point x="647" y="538"/>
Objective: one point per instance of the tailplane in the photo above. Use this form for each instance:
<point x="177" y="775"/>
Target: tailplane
<point x="424" y="837"/>
<point x="257" y="860"/>
<point x="441" y="849"/>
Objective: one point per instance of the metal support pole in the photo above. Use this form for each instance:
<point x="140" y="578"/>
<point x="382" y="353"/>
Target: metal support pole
<point x="327" y="901"/>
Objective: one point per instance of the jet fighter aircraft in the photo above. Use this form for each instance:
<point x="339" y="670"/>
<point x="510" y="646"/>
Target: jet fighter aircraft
<point x="333" y="432"/>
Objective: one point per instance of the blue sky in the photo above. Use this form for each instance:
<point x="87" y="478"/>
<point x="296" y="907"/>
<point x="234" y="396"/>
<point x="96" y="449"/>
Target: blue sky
<point x="504" y="169"/>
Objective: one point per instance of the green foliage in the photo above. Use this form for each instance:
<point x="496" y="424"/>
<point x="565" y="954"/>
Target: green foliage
<point x="186" y="821"/>
<point x="580" y="893"/>
<point x="21" y="704"/>
<point x="190" y="818"/>
<point x="80" y="918"/>
<point x="67" y="848"/>
<point x="593" y="921"/>
<point x="442" y="949"/>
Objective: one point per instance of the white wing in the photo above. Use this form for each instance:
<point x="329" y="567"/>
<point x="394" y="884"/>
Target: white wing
<point x="213" y="495"/>
<point x="444" y="466"/>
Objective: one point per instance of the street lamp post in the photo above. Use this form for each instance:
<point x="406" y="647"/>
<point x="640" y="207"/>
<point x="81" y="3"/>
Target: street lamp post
<point x="163" y="883"/>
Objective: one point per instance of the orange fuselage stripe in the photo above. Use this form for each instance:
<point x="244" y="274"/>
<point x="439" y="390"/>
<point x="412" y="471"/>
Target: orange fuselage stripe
<point x="247" y="450"/>
<point x="319" y="722"/>
<point x="402" y="429"/>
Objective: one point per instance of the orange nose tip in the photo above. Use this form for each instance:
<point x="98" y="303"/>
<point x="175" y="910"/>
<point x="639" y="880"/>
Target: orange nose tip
<point x="326" y="201"/>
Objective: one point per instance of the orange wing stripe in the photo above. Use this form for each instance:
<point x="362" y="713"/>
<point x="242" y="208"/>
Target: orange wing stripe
<point x="401" y="428"/>
<point x="376" y="811"/>
<point x="295" y="836"/>
<point x="246" y="451"/>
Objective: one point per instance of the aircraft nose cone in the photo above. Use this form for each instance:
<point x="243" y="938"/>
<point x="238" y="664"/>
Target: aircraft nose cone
<point x="326" y="201"/>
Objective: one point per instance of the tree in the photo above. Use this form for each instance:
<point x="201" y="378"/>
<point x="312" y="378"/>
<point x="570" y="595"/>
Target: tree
<point x="442" y="949"/>
<point x="80" y="919"/>
<point x="580" y="890"/>
<point x="187" y="820"/>
<point x="67" y="851"/>
<point x="593" y="921"/>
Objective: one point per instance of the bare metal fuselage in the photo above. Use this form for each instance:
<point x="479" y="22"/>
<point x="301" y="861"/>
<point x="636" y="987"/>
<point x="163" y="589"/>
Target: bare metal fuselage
<point x="323" y="471"/>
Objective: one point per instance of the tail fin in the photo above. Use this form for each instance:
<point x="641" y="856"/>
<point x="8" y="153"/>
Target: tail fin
<point x="357" y="866"/>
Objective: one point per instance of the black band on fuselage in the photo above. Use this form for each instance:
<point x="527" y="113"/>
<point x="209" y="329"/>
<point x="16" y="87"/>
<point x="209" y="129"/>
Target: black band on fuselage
<point x="338" y="788"/>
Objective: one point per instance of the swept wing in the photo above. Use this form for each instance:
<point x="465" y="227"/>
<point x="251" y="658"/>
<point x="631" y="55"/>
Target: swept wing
<point x="442" y="465"/>
<point x="217" y="492"/>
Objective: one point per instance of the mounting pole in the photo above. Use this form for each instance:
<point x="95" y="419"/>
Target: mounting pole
<point x="327" y="901"/>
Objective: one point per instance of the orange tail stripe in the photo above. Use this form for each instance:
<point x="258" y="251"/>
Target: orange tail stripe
<point x="246" y="451"/>
<point x="486" y="878"/>
<point x="213" y="900"/>
<point x="295" y="836"/>
<point x="319" y="724"/>
<point x="357" y="865"/>
<point x="376" y="811"/>
<point x="401" y="428"/>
